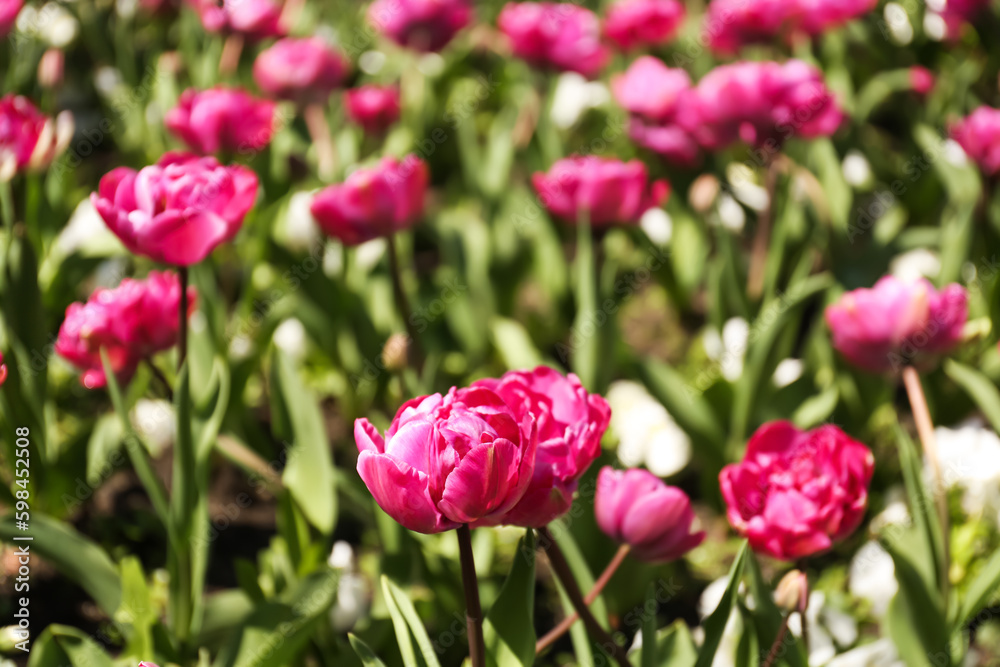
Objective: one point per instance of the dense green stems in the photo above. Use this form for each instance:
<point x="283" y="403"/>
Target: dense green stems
<point x="473" y="610"/>
<point x="403" y="304"/>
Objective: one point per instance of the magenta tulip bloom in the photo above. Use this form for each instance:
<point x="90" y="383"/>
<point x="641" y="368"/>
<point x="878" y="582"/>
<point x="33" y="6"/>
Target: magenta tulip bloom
<point x="178" y="210"/>
<point x="897" y="323"/>
<point x="131" y="322"/>
<point x="374" y="108"/>
<point x="636" y="508"/>
<point x="562" y="36"/>
<point x="643" y="23"/>
<point x="300" y="70"/>
<point x="979" y="136"/>
<point x="423" y="25"/>
<point x="732" y="24"/>
<point x="254" y="19"/>
<point x="373" y="202"/>
<point x="570" y="424"/>
<point x="957" y="13"/>
<point x="611" y="191"/>
<point x="3" y="370"/>
<point x="796" y="493"/>
<point x="921" y="80"/>
<point x="9" y="9"/>
<point x="461" y="458"/>
<point x="29" y="139"/>
<point x="222" y="119"/>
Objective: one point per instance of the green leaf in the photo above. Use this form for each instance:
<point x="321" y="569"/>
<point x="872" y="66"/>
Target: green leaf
<point x="509" y="630"/>
<point x="367" y="656"/>
<point x="73" y="554"/>
<point x="308" y="475"/>
<point x="649" y="653"/>
<point x="917" y="611"/>
<point x="63" y="646"/>
<point x="715" y="623"/>
<point x="104" y="442"/>
<point x="514" y="343"/>
<point x="684" y="402"/>
<point x="922" y="509"/>
<point x="409" y="612"/>
<point x="581" y="572"/>
<point x="136" y="612"/>
<point x="827" y="165"/>
<point x="978" y="387"/>
<point x="584" y="340"/>
<point x="399" y="625"/>
<point x="982" y="589"/>
<point x="767" y="618"/>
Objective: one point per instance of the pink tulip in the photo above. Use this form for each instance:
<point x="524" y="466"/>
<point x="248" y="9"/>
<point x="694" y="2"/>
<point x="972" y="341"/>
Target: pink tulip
<point x="147" y="664"/>
<point x="301" y="70"/>
<point x="957" y="13"/>
<point x="979" y="136"/>
<point x="448" y="460"/>
<point x="254" y="19"/>
<point x="3" y="370"/>
<point x="570" y="424"/>
<point x="9" y="9"/>
<point x="610" y="191"/>
<point x="643" y="23"/>
<point x="636" y="508"/>
<point x="373" y="202"/>
<point x="222" y="119"/>
<point x="921" y="80"/>
<point x="131" y="322"/>
<point x="897" y="322"/>
<point x="423" y="25"/>
<point x="178" y="210"/>
<point x="732" y="24"/>
<point x="28" y="139"/>
<point x="796" y="493"/>
<point x="372" y="107"/>
<point x="819" y="16"/>
<point x="562" y="36"/>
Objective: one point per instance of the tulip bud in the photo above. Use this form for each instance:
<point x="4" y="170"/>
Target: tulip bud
<point x="50" y="68"/>
<point x="3" y="370"/>
<point x="792" y="591"/>
<point x="565" y="37"/>
<point x="396" y="352"/>
<point x="703" y="192"/>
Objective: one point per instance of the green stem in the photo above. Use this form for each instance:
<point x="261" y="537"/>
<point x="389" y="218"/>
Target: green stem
<point x="7" y="206"/>
<point x="473" y="610"/>
<point x="586" y="328"/>
<point x="403" y="303"/>
<point x="182" y="330"/>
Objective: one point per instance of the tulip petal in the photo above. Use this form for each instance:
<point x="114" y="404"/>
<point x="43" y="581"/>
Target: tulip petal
<point x="481" y="483"/>
<point x="402" y="493"/>
<point x="367" y="437"/>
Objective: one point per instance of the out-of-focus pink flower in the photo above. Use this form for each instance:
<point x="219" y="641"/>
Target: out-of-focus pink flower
<point x="424" y="25"/>
<point x="819" y="16"/>
<point x="373" y="202"/>
<point x="570" y="424"/>
<point x="28" y="139"/>
<point x="796" y="493"/>
<point x="921" y="80"/>
<point x="979" y="136"/>
<point x="562" y="36"/>
<point x="897" y="322"/>
<point x="147" y="664"/>
<point x="639" y="23"/>
<point x="636" y="508"/>
<point x="3" y="370"/>
<point x="957" y="13"/>
<point x="731" y="24"/>
<point x="610" y="190"/>
<point x="301" y="70"/>
<point x="222" y="119"/>
<point x="131" y="322"/>
<point x="254" y="19"/>
<point x="657" y="97"/>
<point x="178" y="210"/>
<point x="51" y="67"/>
<point x="372" y="107"/>
<point x="9" y="9"/>
<point x="448" y="460"/>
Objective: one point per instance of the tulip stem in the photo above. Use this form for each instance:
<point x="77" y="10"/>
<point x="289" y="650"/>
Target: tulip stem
<point x="586" y="352"/>
<point x="562" y="570"/>
<point x="772" y="655"/>
<point x="602" y="581"/>
<point x="403" y="303"/>
<point x="7" y="205"/>
<point x="473" y="611"/>
<point x="326" y="157"/>
<point x="182" y="327"/>
<point x="925" y="429"/>
<point x="762" y="238"/>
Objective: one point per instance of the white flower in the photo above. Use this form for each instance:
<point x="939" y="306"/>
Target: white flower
<point x="896" y="512"/>
<point x="970" y="460"/>
<point x="155" y="423"/>
<point x="371" y="62"/>
<point x="881" y="653"/>
<point x="728" y="349"/>
<point x="574" y="95"/>
<point x="658" y="226"/>
<point x="787" y="372"/>
<point x="290" y="337"/>
<point x="857" y="171"/>
<point x="898" y="22"/>
<point x="873" y="577"/>
<point x="915" y="264"/>
<point x="352" y="590"/>
<point x="731" y="214"/>
<point x="829" y="629"/>
<point x="725" y="656"/>
<point x="298" y="230"/>
<point x="647" y="434"/>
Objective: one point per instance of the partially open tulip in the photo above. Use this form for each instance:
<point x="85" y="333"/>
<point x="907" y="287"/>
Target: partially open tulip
<point x="300" y="70"/>
<point x="643" y="23"/>
<point x="570" y="424"/>
<point x="222" y="119"/>
<point x="373" y="202"/>
<point x="979" y="136"/>
<point x="423" y="25"/>
<point x="460" y="458"/>
<point x="9" y="9"/>
<point x="253" y="19"/>
<point x="610" y="191"/>
<point x="562" y="36"/>
<point x="132" y="322"/>
<point x="636" y="508"/>
<point x="28" y="139"/>
<point x="178" y="210"/>
<point x="732" y="24"/>
<point x="897" y="322"/>
<point x="796" y="493"/>
<point x="372" y="107"/>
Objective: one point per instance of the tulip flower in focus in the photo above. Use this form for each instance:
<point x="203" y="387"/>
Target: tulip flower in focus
<point x="178" y="210"/>
<point x="9" y="9"/>
<point x="796" y="493"/>
<point x="733" y="24"/>
<point x="374" y="201"/>
<point x="979" y="136"/>
<point x="562" y="36"/>
<point x="897" y="322"/>
<point x="222" y="119"/>
<point x="253" y="19"/>
<point x="461" y="458"/>
<point x="636" y="508"/>
<point x="372" y="107"/>
<point x="300" y="70"/>
<point x="611" y="191"/>
<point x="643" y="23"/>
<point x="28" y="139"/>
<point x="570" y="424"/>
<point x="132" y="322"/>
<point x="422" y="25"/>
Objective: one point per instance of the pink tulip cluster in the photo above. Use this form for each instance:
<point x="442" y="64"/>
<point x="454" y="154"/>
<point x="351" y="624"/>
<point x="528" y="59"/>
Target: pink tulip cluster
<point x="9" y="9"/>
<point x="634" y="24"/>
<point x="731" y="24"/>
<point x="178" y="210"/>
<point x="760" y="103"/>
<point x="562" y="36"/>
<point x="979" y="136"/>
<point x="253" y="19"/>
<point x="300" y="70"/>
<point x="608" y="190"/>
<point x="222" y="120"/>
<point x="131" y="322"/>
<point x="28" y="139"/>
<point x="897" y="323"/>
<point x="422" y="25"/>
<point x="796" y="493"/>
<point x="372" y="107"/>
